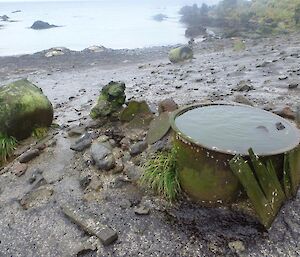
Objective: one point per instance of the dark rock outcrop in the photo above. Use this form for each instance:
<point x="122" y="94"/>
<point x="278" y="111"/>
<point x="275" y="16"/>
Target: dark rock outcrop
<point x="38" y="25"/>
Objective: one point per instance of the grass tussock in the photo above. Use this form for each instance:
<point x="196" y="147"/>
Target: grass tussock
<point x="7" y="147"/>
<point x="160" y="174"/>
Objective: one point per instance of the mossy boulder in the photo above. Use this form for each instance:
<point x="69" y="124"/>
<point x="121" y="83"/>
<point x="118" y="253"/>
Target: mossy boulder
<point x="180" y="54"/>
<point x="111" y="99"/>
<point x="137" y="114"/>
<point x="23" y="108"/>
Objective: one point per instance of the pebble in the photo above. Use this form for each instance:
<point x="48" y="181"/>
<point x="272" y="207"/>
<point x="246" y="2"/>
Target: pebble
<point x="138" y="148"/>
<point x="82" y="143"/>
<point x="29" y="155"/>
<point x="141" y="210"/>
<point x="293" y="85"/>
<point x="19" y="169"/>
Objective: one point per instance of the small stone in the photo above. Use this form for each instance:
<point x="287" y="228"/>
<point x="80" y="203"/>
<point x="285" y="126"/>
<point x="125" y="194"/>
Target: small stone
<point x="125" y="143"/>
<point x="96" y="184"/>
<point x="82" y="143"/>
<point x="90" y="225"/>
<point x="103" y="139"/>
<point x="237" y="246"/>
<point x="285" y="112"/>
<point x="125" y="203"/>
<point x="119" y="166"/>
<point x="142" y="210"/>
<point x="132" y="171"/>
<point x="35" y="174"/>
<point x="167" y="105"/>
<point x="138" y="148"/>
<point x="29" y="155"/>
<point x="76" y="131"/>
<point x="102" y="155"/>
<point x="84" y="182"/>
<point x="119" y="182"/>
<point x="36" y="197"/>
<point x="93" y="124"/>
<point x="19" y="169"/>
<point x="243" y="86"/>
<point x="293" y="85"/>
<point x="243" y="100"/>
<point x="283" y="77"/>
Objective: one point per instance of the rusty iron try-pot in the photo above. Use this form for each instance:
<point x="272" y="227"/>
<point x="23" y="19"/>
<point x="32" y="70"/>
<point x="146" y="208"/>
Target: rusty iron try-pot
<point x="204" y="172"/>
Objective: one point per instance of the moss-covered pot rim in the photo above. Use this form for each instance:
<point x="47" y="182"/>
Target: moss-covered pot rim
<point x="186" y="108"/>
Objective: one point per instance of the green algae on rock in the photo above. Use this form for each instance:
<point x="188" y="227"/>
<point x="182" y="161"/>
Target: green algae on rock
<point x="23" y="107"/>
<point x="111" y="99"/>
<point x="180" y="54"/>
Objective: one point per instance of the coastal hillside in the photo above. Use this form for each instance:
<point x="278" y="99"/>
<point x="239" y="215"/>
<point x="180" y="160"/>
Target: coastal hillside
<point x="237" y="16"/>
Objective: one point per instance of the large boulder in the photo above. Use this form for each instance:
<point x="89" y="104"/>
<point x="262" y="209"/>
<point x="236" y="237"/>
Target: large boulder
<point x="38" y="25"/>
<point x="23" y="107"/>
<point x="180" y="54"/>
<point x="111" y="99"/>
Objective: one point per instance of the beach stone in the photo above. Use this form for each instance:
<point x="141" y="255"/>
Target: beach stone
<point x="35" y="175"/>
<point x="4" y="18"/>
<point x="132" y="171"/>
<point x="285" y="112"/>
<point x="294" y="84"/>
<point x="243" y="100"/>
<point x="36" y="197"/>
<point x="85" y="181"/>
<point x="111" y="99"/>
<point x="283" y="77"/>
<point x="103" y="138"/>
<point x="23" y="108"/>
<point x="167" y="105"/>
<point x="90" y="225"/>
<point x="180" y="54"/>
<point x="76" y="131"/>
<point x="138" y="148"/>
<point x="243" y="86"/>
<point x="19" y="169"/>
<point x="55" y="52"/>
<point x="82" y="143"/>
<point x="135" y="109"/>
<point x="237" y="246"/>
<point x="38" y="25"/>
<point x="96" y="49"/>
<point x="142" y="210"/>
<point x="102" y="155"/>
<point x="28" y="156"/>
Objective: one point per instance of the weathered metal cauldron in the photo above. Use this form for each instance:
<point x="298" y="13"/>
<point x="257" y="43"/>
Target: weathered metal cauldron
<point x="208" y="136"/>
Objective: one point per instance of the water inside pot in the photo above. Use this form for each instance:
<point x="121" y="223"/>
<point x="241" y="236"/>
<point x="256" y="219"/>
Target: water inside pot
<point x="234" y="129"/>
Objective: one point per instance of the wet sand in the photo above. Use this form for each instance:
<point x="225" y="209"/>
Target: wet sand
<point x="73" y="81"/>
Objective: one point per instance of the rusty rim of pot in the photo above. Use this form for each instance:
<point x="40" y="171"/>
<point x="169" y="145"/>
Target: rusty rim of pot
<point x="187" y="108"/>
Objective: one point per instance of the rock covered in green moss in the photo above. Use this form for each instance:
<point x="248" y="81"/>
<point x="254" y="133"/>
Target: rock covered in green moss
<point x="23" y="107"/>
<point x="111" y="99"/>
<point x="134" y="109"/>
<point x="180" y="54"/>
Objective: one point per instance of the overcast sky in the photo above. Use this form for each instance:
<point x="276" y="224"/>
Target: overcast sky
<point x="207" y="1"/>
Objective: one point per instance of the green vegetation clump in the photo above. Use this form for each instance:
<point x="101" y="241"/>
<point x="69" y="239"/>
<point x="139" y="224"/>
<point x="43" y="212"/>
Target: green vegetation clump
<point x="7" y="147"/>
<point x="237" y="17"/>
<point x="40" y="133"/>
<point x="239" y="45"/>
<point x="160" y="174"/>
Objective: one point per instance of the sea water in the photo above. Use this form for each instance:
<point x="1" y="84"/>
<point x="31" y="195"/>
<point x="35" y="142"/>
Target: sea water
<point x="235" y="129"/>
<point x="112" y="23"/>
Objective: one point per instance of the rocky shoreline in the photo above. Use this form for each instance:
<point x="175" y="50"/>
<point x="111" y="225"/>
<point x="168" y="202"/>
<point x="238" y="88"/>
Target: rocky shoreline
<point x="36" y="196"/>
